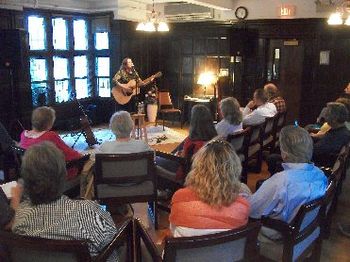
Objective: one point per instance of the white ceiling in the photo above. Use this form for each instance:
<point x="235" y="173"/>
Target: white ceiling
<point x="137" y="10"/>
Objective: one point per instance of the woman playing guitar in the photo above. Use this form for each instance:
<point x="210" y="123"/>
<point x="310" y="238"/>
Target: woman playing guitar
<point x="126" y="80"/>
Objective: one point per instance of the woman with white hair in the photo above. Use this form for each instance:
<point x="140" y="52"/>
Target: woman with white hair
<point x="281" y="196"/>
<point x="232" y="117"/>
<point x="121" y="125"/>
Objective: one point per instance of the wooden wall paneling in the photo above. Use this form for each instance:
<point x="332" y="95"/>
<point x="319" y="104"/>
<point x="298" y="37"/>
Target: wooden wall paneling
<point x="213" y="45"/>
<point x="199" y="46"/>
<point x="224" y="45"/>
<point x="187" y="46"/>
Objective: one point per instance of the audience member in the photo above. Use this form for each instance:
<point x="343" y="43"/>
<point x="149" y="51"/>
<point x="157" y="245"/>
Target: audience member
<point x="211" y="201"/>
<point x="326" y="127"/>
<point x="258" y="109"/>
<point x="274" y="97"/>
<point x="201" y="131"/>
<point x="8" y="210"/>
<point x="347" y="91"/>
<point x="281" y="196"/>
<point x="121" y="125"/>
<point x="49" y="214"/>
<point x="232" y="117"/>
<point x="327" y="147"/>
<point x="43" y="119"/>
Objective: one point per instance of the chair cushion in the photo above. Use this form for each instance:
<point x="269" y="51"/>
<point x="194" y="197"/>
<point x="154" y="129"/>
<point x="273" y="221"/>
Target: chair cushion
<point x="253" y="149"/>
<point x="123" y="190"/>
<point x="267" y="140"/>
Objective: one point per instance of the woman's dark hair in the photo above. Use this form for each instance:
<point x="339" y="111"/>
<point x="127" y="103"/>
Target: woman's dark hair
<point x="43" y="170"/>
<point x="124" y="62"/>
<point x="201" y="125"/>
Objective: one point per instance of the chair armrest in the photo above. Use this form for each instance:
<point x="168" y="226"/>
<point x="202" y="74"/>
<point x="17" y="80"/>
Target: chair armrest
<point x="141" y="233"/>
<point x="79" y="162"/>
<point x="172" y="157"/>
<point x="284" y="228"/>
<point x="124" y="234"/>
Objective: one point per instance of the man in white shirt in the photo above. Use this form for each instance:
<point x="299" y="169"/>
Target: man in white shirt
<point x="258" y="109"/>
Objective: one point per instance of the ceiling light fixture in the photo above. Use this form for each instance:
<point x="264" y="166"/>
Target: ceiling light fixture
<point x="153" y="23"/>
<point x="341" y="15"/>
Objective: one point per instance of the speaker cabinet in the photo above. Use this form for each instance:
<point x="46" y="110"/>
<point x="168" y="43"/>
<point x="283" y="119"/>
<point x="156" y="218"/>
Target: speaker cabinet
<point x="15" y="90"/>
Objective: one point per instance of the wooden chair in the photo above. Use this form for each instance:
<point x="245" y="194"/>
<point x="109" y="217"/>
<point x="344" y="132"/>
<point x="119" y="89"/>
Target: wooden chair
<point x="166" y="107"/>
<point x="269" y="130"/>
<point x="70" y="186"/>
<point x="253" y="146"/>
<point x="279" y="124"/>
<point x="19" y="248"/>
<point x="237" y="140"/>
<point x="301" y="237"/>
<point x="232" y="245"/>
<point x="126" y="178"/>
<point x="328" y="209"/>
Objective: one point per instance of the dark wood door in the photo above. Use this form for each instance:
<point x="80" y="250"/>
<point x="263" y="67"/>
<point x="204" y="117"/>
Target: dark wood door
<point x="285" y="67"/>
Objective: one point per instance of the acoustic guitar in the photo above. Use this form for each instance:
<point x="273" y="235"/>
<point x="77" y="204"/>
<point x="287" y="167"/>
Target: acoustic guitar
<point x="123" y="97"/>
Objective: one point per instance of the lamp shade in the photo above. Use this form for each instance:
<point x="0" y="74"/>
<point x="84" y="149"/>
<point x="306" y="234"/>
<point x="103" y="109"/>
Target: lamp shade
<point x="206" y="78"/>
<point x="335" y="19"/>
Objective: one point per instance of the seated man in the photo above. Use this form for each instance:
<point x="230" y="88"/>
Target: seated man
<point x="327" y="148"/>
<point x="275" y="98"/>
<point x="121" y="125"/>
<point x="281" y="196"/>
<point x="258" y="109"/>
<point x="49" y="214"/>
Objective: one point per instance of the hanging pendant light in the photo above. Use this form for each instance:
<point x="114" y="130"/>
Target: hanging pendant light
<point x="342" y="9"/>
<point x="153" y="23"/>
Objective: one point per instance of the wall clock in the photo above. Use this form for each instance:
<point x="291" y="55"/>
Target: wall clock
<point x="241" y="12"/>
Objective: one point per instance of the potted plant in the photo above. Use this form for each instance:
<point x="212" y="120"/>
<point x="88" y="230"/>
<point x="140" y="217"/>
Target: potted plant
<point x="151" y="103"/>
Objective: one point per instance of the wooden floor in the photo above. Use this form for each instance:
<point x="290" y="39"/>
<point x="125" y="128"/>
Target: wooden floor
<point x="336" y="248"/>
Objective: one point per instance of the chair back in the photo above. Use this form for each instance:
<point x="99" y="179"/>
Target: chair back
<point x="125" y="178"/>
<point x="328" y="208"/>
<point x="232" y="245"/>
<point x="29" y="249"/>
<point x="237" y="139"/>
<point x="19" y="248"/>
<point x="164" y="99"/>
<point x="305" y="231"/>
<point x="281" y="120"/>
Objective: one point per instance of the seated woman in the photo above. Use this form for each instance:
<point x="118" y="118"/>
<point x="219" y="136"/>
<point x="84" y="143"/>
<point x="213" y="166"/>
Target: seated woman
<point x="49" y="214"/>
<point x="201" y="130"/>
<point x="326" y="127"/>
<point x="121" y="125"/>
<point x="328" y="146"/>
<point x="281" y="196"/>
<point x="232" y="117"/>
<point x="211" y="201"/>
<point x="43" y="119"/>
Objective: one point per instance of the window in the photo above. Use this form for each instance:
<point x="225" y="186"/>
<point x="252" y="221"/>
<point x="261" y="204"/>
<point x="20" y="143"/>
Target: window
<point x="81" y="72"/>
<point x="101" y="41"/>
<point x="61" y="76"/>
<point x="59" y="31"/>
<point x="102" y="76"/>
<point x="37" y="33"/>
<point x="80" y="35"/>
<point x="60" y="57"/>
<point x="38" y="74"/>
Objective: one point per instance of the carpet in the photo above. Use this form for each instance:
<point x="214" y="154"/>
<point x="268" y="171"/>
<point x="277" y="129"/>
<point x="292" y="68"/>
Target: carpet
<point x="155" y="135"/>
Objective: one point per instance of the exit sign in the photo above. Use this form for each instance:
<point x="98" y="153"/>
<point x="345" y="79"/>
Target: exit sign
<point x="286" y="11"/>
